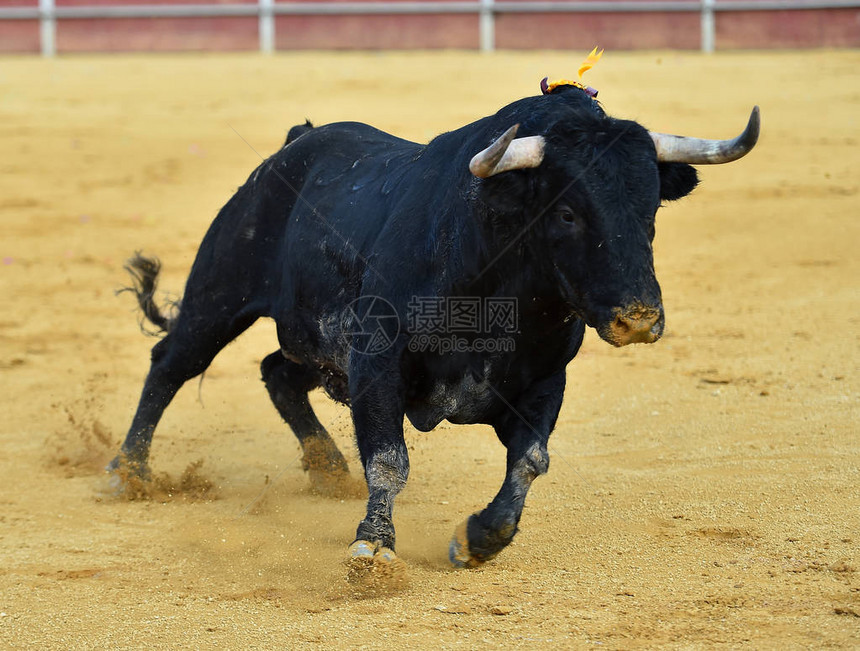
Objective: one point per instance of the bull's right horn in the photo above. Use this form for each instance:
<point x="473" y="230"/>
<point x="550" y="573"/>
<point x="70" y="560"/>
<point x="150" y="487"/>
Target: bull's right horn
<point x="508" y="153"/>
<point x="697" y="151"/>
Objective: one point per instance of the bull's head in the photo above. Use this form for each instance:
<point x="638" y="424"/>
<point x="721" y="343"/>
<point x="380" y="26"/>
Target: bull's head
<point x="592" y="202"/>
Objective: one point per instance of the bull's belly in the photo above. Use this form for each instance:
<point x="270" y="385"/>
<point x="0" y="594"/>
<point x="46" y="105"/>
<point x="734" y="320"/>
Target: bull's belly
<point x="462" y="401"/>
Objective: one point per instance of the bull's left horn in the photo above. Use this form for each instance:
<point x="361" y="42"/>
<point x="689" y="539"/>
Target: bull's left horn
<point x="697" y="151"/>
<point x="508" y="153"/>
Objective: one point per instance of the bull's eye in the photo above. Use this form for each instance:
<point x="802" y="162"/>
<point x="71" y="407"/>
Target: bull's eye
<point x="568" y="220"/>
<point x="567" y="216"/>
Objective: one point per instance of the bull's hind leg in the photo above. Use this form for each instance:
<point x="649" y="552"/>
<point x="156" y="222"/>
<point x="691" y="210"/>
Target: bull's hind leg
<point x="525" y="430"/>
<point x="185" y="352"/>
<point x="288" y="384"/>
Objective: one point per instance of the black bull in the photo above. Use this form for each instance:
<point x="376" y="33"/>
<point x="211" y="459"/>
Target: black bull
<point x="346" y="231"/>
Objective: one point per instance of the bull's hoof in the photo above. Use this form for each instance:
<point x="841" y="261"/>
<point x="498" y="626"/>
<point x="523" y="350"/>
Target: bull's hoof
<point x="121" y="464"/>
<point x="458" y="548"/>
<point x="374" y="571"/>
<point x="128" y="479"/>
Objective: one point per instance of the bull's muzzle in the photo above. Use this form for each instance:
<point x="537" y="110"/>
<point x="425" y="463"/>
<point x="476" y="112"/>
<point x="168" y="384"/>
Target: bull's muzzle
<point x="637" y="324"/>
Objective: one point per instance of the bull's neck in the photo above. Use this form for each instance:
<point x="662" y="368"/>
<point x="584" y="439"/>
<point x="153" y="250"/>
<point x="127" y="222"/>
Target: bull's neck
<point x="487" y="252"/>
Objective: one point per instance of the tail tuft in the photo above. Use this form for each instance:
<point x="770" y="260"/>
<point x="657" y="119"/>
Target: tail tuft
<point x="144" y="274"/>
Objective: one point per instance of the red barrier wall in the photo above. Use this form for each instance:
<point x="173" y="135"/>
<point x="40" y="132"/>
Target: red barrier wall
<point x="616" y="31"/>
<point x="376" y="32"/>
<point x="789" y="29"/>
<point x="19" y="35"/>
<point x="155" y="34"/>
<point x="611" y="30"/>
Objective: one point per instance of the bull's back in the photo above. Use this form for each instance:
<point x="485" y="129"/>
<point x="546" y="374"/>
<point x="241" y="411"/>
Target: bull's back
<point x="321" y="203"/>
<point x="295" y="224"/>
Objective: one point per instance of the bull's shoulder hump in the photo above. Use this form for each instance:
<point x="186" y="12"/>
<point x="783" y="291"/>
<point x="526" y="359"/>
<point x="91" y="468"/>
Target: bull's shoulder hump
<point x="358" y="131"/>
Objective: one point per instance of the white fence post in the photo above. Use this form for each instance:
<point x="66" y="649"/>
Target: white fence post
<point x="708" y="27"/>
<point x="267" y="26"/>
<point x="487" y="26"/>
<point x="47" y="28"/>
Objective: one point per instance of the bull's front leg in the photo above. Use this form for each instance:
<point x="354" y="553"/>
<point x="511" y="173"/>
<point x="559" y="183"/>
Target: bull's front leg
<point x="524" y="428"/>
<point x="377" y="399"/>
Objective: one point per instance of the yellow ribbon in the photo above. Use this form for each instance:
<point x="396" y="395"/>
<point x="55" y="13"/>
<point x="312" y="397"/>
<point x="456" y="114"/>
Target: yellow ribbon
<point x="592" y="58"/>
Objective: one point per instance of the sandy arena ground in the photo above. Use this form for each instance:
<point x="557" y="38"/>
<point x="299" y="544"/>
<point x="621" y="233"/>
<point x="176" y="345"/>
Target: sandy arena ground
<point x="704" y="491"/>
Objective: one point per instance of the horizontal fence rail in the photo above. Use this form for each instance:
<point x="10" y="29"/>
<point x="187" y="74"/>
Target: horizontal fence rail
<point x="47" y="13"/>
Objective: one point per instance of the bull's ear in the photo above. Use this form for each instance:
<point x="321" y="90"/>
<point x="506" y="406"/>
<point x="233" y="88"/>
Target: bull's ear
<point x="676" y="180"/>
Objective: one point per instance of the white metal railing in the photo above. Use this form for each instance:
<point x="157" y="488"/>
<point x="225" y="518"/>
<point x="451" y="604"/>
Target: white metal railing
<point x="47" y="13"/>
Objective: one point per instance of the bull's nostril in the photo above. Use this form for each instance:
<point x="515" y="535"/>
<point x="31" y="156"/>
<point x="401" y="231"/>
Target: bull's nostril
<point x="636" y="325"/>
<point x="621" y="324"/>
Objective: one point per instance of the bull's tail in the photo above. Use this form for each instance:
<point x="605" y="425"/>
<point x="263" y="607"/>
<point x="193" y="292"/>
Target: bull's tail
<point x="144" y="274"/>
